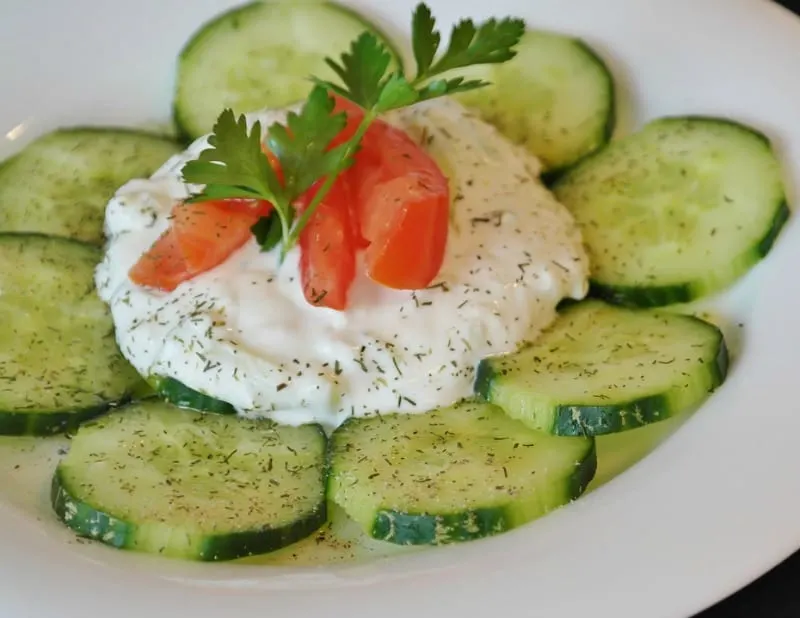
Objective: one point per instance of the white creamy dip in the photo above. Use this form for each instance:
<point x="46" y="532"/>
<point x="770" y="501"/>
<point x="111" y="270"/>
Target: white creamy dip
<point x="244" y="333"/>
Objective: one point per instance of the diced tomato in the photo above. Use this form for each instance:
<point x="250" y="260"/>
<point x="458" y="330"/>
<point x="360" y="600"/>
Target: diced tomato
<point x="201" y="236"/>
<point x="162" y="266"/>
<point x="208" y="232"/>
<point x="327" y="251"/>
<point x="403" y="208"/>
<point x="401" y="203"/>
<point x="393" y="203"/>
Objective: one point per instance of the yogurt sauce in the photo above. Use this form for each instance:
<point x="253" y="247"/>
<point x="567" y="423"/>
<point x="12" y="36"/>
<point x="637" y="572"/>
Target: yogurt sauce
<point x="244" y="333"/>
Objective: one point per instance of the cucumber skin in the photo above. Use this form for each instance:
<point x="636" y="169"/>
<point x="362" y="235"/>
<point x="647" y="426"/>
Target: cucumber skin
<point x="183" y="135"/>
<point x="782" y="215"/>
<point x="662" y="296"/>
<point x="84" y="520"/>
<point x="588" y="420"/>
<point x="402" y="528"/>
<point x="36" y="423"/>
<point x="177" y="393"/>
<point x="552" y="176"/>
<point x="51" y="423"/>
<point x="91" y="523"/>
<point x="442" y="529"/>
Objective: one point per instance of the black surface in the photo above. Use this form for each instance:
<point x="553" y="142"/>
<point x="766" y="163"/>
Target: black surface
<point x="776" y="594"/>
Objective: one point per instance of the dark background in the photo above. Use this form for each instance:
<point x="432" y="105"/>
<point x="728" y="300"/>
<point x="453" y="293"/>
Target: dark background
<point x="776" y="594"/>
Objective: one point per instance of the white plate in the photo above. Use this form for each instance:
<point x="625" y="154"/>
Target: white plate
<point x="711" y="509"/>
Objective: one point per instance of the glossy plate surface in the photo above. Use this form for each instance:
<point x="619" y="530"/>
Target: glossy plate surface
<point x="711" y="509"/>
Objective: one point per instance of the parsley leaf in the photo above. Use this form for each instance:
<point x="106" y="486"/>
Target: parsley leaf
<point x="268" y="231"/>
<point x="233" y="165"/>
<point x="440" y="87"/>
<point x="490" y="43"/>
<point x="396" y="92"/>
<point x="302" y="144"/>
<point x="425" y="40"/>
<point x="362" y="70"/>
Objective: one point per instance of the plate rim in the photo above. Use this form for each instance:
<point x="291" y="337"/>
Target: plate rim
<point x="771" y="352"/>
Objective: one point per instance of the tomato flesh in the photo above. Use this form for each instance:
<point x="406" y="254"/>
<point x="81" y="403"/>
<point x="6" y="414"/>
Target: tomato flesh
<point x="327" y="250"/>
<point x="403" y="208"/>
<point x="202" y="235"/>
<point x="207" y="233"/>
<point x="162" y="266"/>
<point x="401" y="204"/>
<point x="393" y="204"/>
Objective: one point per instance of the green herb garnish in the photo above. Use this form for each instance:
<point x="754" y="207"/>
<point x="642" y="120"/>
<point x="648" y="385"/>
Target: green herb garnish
<point x="234" y="165"/>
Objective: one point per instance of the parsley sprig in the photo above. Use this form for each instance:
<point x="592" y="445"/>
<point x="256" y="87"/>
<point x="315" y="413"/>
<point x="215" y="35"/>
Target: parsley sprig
<point x="234" y="165"/>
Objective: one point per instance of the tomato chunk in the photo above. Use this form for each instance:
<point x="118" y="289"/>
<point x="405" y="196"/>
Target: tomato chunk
<point x="207" y="233"/>
<point x="162" y="266"/>
<point x="327" y="250"/>
<point x="201" y="236"/>
<point x="403" y="206"/>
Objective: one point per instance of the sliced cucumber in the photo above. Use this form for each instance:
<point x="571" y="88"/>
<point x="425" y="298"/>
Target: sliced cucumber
<point x="59" y="361"/>
<point x="60" y="184"/>
<point x="677" y="211"/>
<point x="260" y="55"/>
<point x="556" y="97"/>
<point x="179" y="394"/>
<point x="155" y="478"/>
<point x="600" y="369"/>
<point x="454" y="474"/>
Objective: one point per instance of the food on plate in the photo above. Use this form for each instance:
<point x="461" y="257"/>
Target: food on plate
<point x="458" y="473"/>
<point x="556" y="98"/>
<point x="601" y="369"/>
<point x="178" y="483"/>
<point x="245" y="332"/>
<point x="355" y="291"/>
<point x="60" y="184"/>
<point x="173" y="391"/>
<point x="677" y="211"/>
<point x="60" y="361"/>
<point x="261" y="55"/>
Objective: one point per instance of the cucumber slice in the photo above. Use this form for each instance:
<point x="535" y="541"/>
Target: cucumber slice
<point x="59" y="361"/>
<point x="260" y="55"/>
<point x="454" y="474"/>
<point x="556" y="97"/>
<point x="678" y="211"/>
<point x="601" y="369"/>
<point x="179" y="394"/>
<point x="154" y="478"/>
<point x="60" y="183"/>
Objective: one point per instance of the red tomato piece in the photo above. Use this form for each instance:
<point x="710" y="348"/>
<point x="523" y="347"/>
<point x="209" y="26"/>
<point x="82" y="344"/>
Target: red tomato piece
<point x="327" y="250"/>
<point x="403" y="209"/>
<point x="207" y="233"/>
<point x="201" y="236"/>
<point x="401" y="204"/>
<point x="163" y="266"/>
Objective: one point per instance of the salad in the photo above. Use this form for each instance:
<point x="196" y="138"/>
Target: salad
<point x="415" y="295"/>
